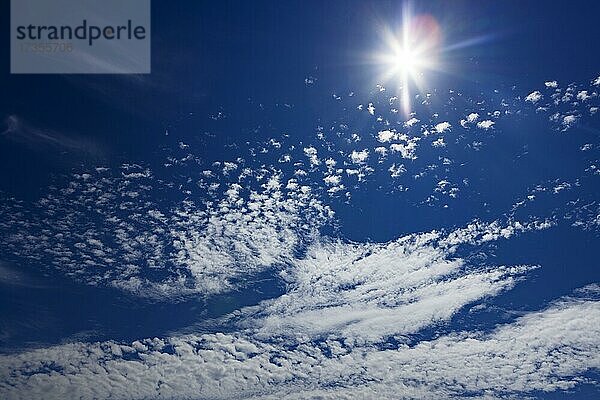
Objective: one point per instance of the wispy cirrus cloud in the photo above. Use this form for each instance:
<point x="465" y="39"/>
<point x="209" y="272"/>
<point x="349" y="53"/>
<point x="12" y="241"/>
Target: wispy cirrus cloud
<point x="368" y="292"/>
<point x="18" y="130"/>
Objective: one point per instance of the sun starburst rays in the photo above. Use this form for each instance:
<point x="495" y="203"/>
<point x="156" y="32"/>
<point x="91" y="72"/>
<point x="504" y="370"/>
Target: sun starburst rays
<point x="408" y="54"/>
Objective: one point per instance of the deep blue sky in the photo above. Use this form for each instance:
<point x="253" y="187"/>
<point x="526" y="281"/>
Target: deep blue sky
<point x="237" y="57"/>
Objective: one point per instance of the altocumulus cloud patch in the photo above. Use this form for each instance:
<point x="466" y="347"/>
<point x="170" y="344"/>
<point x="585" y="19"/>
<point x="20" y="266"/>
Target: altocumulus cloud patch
<point x="542" y="350"/>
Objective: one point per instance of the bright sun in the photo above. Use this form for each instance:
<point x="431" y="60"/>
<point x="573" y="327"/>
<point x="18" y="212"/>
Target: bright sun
<point x="406" y="61"/>
<point x="409" y="53"/>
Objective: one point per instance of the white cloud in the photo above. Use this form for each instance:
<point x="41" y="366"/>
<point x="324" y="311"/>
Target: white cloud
<point x="371" y="109"/>
<point x="332" y="180"/>
<point x="386" y="136"/>
<point x="569" y="120"/>
<point x="473" y="117"/>
<point x="439" y="143"/>
<point x="199" y="247"/>
<point x="367" y="292"/>
<point x="311" y="153"/>
<point x="411" y="122"/>
<point x="534" y="97"/>
<point x="551" y="84"/>
<point x="359" y="157"/>
<point x="442" y="127"/>
<point x="541" y="351"/>
<point x="229" y="167"/>
<point x="487" y="124"/>
<point x="560" y="187"/>
<point x="407" y="150"/>
<point x="382" y="151"/>
<point x="326" y="337"/>
<point x="583" y="95"/>
<point x="396" y="170"/>
<point x="325" y="334"/>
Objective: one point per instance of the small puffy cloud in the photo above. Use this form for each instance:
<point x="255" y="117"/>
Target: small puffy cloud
<point x="335" y="189"/>
<point x="441" y="185"/>
<point x="359" y="157"/>
<point x="569" y="120"/>
<point x="411" y="122"/>
<point x="443" y="127"/>
<point x="596" y="82"/>
<point x="311" y="153"/>
<point x="396" y="170"/>
<point x="560" y="187"/>
<point x="551" y="84"/>
<point x="355" y="172"/>
<point x="470" y="119"/>
<point x="332" y="180"/>
<point x="386" y="136"/>
<point x="229" y="167"/>
<point x="583" y="95"/>
<point x="292" y="184"/>
<point x="487" y="124"/>
<point x="439" y="143"/>
<point x="407" y="150"/>
<point x="310" y="80"/>
<point x="473" y="117"/>
<point x="371" y="109"/>
<point x="382" y="151"/>
<point x="534" y="97"/>
<point x="330" y="162"/>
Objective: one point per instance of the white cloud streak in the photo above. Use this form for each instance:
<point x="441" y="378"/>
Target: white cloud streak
<point x="542" y="351"/>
